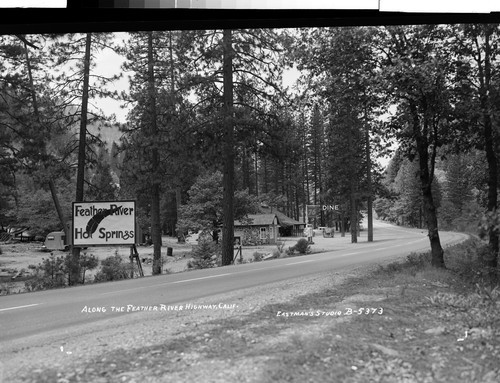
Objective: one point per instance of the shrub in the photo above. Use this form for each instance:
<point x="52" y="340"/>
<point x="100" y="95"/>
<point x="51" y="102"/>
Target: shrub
<point x="468" y="260"/>
<point x="6" y="288"/>
<point x="390" y="268"/>
<point x="112" y="269"/>
<point x="241" y="260"/>
<point x="87" y="262"/>
<point x="485" y="253"/>
<point x="257" y="257"/>
<point x="280" y="245"/>
<point x="302" y="246"/>
<point x="205" y="255"/>
<point x="48" y="274"/>
<point x="418" y="260"/>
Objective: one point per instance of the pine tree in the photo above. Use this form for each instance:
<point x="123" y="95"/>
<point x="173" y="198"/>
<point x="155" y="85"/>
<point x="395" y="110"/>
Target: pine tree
<point x="236" y="69"/>
<point x="157" y="135"/>
<point x="340" y="66"/>
<point x="74" y="55"/>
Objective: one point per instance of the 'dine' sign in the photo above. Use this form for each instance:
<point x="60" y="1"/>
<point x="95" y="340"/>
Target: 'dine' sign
<point x="103" y="223"/>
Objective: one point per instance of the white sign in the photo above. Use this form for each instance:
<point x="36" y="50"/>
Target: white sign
<point x="103" y="223"/>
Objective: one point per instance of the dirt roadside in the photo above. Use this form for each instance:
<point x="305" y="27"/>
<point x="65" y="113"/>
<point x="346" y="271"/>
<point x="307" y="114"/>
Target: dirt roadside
<point x="362" y="325"/>
<point x="18" y="256"/>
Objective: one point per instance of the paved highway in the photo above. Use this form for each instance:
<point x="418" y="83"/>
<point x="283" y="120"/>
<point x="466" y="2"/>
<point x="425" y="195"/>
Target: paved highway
<point x="22" y="315"/>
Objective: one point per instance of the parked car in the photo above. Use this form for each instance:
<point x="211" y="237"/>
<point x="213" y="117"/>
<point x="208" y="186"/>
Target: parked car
<point x="328" y="232"/>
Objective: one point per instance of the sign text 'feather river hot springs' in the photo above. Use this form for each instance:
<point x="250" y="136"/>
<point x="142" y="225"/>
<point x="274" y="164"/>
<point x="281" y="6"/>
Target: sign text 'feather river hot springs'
<point x="103" y="223"/>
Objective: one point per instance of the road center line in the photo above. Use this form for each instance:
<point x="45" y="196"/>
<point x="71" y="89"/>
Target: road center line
<point x="197" y="279"/>
<point x="345" y="255"/>
<point x="296" y="263"/>
<point x="20" y="307"/>
<point x="403" y="244"/>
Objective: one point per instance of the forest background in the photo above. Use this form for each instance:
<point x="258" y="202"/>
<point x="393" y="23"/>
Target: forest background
<point x="210" y="121"/>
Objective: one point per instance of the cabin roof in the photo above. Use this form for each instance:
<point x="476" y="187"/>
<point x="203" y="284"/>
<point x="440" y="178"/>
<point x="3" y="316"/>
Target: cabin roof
<point x="258" y="220"/>
<point x="283" y="219"/>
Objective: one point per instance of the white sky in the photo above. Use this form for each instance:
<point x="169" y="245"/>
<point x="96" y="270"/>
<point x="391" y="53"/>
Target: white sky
<point x="109" y="64"/>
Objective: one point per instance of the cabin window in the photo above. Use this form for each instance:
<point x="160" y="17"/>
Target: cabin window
<point x="263" y="233"/>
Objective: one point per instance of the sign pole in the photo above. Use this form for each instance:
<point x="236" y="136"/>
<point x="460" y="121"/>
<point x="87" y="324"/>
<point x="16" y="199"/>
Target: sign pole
<point x="131" y="262"/>
<point x="134" y="254"/>
<point x="237" y="247"/>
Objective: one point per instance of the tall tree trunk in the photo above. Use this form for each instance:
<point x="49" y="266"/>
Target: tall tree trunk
<point x="256" y="160"/>
<point x="80" y="177"/>
<point x="265" y="178"/>
<point x="426" y="177"/>
<point x="155" y="163"/>
<point x="277" y="174"/>
<point x="369" y="181"/>
<point x="320" y="178"/>
<point x="290" y="206"/>
<point x="492" y="186"/>
<point x="228" y="177"/>
<point x="308" y="197"/>
<point x="342" y="224"/>
<point x="353" y="216"/>
<point x="245" y="167"/>
<point x="489" y="141"/>
<point x="303" y="161"/>
<point x="297" y="204"/>
<point x="180" y="237"/>
<point x="282" y="172"/>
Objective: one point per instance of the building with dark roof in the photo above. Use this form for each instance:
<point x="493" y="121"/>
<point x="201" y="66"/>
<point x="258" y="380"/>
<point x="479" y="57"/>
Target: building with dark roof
<point x="289" y="227"/>
<point x="257" y="229"/>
